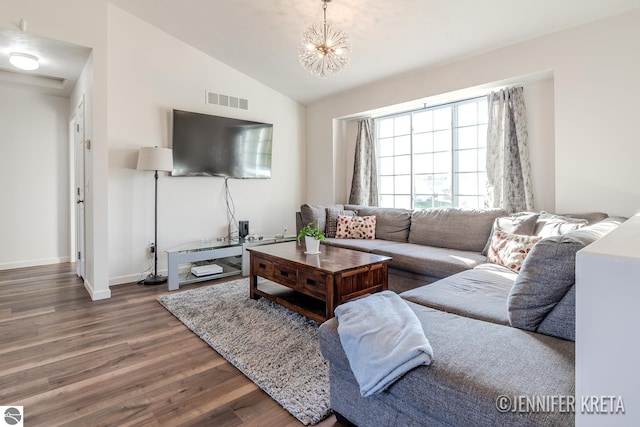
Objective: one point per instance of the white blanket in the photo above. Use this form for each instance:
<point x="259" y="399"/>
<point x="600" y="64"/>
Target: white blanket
<point x="383" y="339"/>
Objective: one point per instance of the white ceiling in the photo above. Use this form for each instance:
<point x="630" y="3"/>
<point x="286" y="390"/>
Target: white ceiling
<point x="60" y="63"/>
<point x="388" y="37"/>
<point x="260" y="39"/>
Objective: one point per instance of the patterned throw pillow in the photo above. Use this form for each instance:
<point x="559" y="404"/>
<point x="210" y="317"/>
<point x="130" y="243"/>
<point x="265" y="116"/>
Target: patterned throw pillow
<point x="509" y="249"/>
<point x="356" y="227"/>
<point x="517" y="223"/>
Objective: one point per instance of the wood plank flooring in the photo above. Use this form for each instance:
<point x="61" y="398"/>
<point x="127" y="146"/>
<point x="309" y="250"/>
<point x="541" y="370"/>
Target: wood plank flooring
<point x="125" y="361"/>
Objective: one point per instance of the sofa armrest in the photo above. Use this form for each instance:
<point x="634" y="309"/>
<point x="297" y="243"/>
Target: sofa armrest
<point x="298" y="222"/>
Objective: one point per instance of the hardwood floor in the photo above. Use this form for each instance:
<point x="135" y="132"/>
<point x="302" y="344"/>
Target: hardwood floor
<point x="125" y="361"/>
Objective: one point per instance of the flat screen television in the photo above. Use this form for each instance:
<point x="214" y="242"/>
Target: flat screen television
<point x="206" y="145"/>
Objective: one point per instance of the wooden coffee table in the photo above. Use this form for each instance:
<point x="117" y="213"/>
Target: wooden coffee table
<point x="314" y="285"/>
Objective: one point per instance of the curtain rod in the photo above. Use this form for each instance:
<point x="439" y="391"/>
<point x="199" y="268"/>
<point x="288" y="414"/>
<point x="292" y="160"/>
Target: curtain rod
<point x="425" y="107"/>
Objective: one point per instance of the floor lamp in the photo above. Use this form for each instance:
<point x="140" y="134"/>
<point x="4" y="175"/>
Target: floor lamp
<point x="155" y="159"/>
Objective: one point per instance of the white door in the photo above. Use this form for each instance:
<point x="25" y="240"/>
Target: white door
<point x="78" y="144"/>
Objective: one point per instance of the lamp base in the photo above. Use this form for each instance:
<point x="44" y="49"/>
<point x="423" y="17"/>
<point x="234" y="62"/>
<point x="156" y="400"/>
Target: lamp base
<point x="153" y="279"/>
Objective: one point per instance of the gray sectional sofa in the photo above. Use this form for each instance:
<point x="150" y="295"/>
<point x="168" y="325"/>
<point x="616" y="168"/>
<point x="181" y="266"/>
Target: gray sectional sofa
<point x="426" y="245"/>
<point x="494" y="332"/>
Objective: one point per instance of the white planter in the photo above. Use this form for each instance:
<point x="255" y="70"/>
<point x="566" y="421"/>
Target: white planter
<point x="312" y="245"/>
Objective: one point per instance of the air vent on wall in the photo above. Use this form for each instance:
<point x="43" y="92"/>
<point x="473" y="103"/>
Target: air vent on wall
<point x="226" y="100"/>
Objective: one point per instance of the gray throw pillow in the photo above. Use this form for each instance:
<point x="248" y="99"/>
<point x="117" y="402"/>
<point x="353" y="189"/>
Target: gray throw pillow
<point x="523" y="223"/>
<point x="332" y="219"/>
<point x="315" y="214"/>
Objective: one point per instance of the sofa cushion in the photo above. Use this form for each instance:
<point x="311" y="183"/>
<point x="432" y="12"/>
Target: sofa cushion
<point x="332" y="219"/>
<point x="556" y="225"/>
<point x="480" y="293"/>
<point x="474" y="363"/>
<point x="463" y="229"/>
<point x="591" y="217"/>
<point x="363" y="245"/>
<point x="429" y="260"/>
<point x="391" y="223"/>
<point x="547" y="274"/>
<point x="510" y="250"/>
<point x="356" y="227"/>
<point x="561" y="320"/>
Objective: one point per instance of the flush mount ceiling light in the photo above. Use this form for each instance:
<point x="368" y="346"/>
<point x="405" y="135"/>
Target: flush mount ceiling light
<point x="24" y="61"/>
<point x="325" y="48"/>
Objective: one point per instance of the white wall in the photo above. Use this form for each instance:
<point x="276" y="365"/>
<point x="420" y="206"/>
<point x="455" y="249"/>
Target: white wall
<point x="597" y="142"/>
<point x="151" y="73"/>
<point x="34" y="170"/>
<point x="595" y="90"/>
<point x="539" y="98"/>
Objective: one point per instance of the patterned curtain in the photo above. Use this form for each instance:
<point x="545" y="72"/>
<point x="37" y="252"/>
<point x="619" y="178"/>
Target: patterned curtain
<point x="508" y="166"/>
<point x="364" y="185"/>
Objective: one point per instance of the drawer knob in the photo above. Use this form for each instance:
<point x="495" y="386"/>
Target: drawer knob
<point x="311" y="282"/>
<point x="261" y="265"/>
<point x="284" y="273"/>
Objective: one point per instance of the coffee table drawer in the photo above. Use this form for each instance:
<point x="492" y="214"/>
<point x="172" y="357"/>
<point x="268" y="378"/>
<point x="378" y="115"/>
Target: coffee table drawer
<point x="263" y="268"/>
<point x="312" y="283"/>
<point x="285" y="275"/>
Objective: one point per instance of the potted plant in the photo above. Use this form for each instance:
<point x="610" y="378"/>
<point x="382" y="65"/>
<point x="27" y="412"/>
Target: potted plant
<point x="312" y="237"/>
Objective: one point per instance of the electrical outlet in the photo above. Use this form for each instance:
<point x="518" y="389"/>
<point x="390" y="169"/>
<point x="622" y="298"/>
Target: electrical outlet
<point x="152" y="247"/>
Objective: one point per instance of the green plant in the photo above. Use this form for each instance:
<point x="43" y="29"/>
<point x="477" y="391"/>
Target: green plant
<point x="311" y="230"/>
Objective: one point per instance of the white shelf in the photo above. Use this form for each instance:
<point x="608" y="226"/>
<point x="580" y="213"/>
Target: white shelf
<point x="230" y="255"/>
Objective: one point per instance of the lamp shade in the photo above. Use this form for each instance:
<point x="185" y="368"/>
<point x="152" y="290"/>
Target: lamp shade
<point x="155" y="159"/>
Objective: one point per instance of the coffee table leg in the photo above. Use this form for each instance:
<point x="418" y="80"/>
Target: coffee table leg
<point x="253" y="280"/>
<point x="332" y="296"/>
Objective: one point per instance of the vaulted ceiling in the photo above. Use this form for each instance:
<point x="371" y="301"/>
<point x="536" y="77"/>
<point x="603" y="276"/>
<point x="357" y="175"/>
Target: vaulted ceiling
<point x="261" y="39"/>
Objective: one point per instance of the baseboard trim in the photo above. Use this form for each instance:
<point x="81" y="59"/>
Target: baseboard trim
<point x="123" y="280"/>
<point x="132" y="278"/>
<point x="34" y="263"/>
<point x="96" y="295"/>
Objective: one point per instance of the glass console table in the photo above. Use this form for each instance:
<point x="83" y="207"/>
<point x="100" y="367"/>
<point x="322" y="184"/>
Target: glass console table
<point x="231" y="255"/>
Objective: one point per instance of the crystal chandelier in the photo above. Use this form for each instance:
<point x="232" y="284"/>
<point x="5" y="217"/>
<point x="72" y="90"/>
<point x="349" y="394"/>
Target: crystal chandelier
<point x="325" y="48"/>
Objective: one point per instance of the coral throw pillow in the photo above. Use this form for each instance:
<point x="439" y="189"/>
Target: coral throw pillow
<point x="356" y="227"/>
<point x="510" y="249"/>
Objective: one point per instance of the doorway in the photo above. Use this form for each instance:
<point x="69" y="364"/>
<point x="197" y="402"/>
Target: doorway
<point x="38" y="155"/>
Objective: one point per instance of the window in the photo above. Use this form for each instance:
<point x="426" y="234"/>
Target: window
<point x="434" y="157"/>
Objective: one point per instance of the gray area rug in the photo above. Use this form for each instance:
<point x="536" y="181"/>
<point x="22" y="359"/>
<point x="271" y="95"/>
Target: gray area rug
<point x="273" y="346"/>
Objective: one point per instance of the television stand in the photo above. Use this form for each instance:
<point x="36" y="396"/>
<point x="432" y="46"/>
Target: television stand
<point x="231" y="255"/>
<point x="226" y="254"/>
